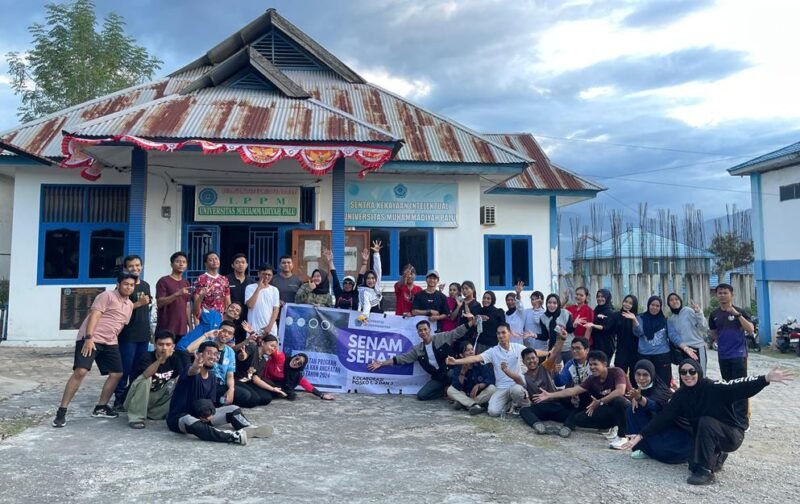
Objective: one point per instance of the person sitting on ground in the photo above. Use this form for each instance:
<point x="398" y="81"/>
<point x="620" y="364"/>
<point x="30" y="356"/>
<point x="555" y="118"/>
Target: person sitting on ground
<point x="346" y="294"/>
<point x="554" y="322"/>
<point x="673" y="445"/>
<point x="404" y="291"/>
<point x="471" y="385"/>
<point x="370" y="294"/>
<point x="251" y="389"/>
<point x="538" y="377"/>
<point x="212" y="319"/>
<point x="506" y="360"/>
<point x="191" y="409"/>
<point x="97" y="341"/>
<point x="316" y="291"/>
<point x="431" y="353"/>
<point x="154" y="377"/>
<point x="431" y="302"/>
<point x="607" y="387"/>
<point x="226" y="367"/>
<point x="287" y="374"/>
<point x="709" y="407"/>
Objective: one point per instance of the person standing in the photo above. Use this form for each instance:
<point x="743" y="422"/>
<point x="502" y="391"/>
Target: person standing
<point x="627" y="341"/>
<point x="97" y="342"/>
<point x="690" y="324"/>
<point x="134" y="337"/>
<point x="286" y="281"/>
<point x="211" y="290"/>
<point x="263" y="303"/>
<point x="515" y="313"/>
<point x="316" y="291"/>
<point x="172" y="298"/>
<point x="453" y="305"/>
<point x="556" y="321"/>
<point x="581" y="309"/>
<point x="603" y="327"/>
<point x="370" y="294"/>
<point x="345" y="294"/>
<point x="431" y="302"/>
<point x="532" y="329"/>
<point x="405" y="290"/>
<point x="238" y="280"/>
<point x="491" y="317"/>
<point x="728" y="325"/>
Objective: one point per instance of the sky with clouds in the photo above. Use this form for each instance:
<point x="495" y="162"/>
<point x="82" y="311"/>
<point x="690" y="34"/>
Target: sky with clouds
<point x="654" y="99"/>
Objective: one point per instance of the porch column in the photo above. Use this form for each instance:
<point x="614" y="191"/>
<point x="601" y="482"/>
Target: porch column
<point x="337" y="224"/>
<point x="137" y="202"/>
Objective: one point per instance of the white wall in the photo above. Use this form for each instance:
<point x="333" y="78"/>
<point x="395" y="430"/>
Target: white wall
<point x="34" y="309"/>
<point x="783" y="302"/>
<point x="6" y="218"/>
<point x="780" y="243"/>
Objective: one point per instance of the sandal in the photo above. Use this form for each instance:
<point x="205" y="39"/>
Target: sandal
<point x="136" y="425"/>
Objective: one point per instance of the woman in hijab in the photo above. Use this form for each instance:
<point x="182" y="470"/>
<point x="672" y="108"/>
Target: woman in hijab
<point x="370" y="294"/>
<point x="716" y="428"/>
<point x="651" y="329"/>
<point x="316" y="291"/>
<point x="552" y="321"/>
<point x="491" y="316"/>
<point x="345" y="294"/>
<point x="603" y="328"/>
<point x="690" y="325"/>
<point x="627" y="342"/>
<point x="288" y="374"/>
<point x="648" y="398"/>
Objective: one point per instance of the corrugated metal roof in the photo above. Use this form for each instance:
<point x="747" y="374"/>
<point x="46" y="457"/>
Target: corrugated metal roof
<point x="43" y="136"/>
<point x="542" y="174"/>
<point x="790" y="151"/>
<point x="427" y="136"/>
<point x="713" y="280"/>
<point x="13" y="149"/>
<point x="225" y="113"/>
<point x="637" y="243"/>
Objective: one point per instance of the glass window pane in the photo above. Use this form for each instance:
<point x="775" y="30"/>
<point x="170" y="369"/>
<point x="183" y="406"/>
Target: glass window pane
<point x="386" y="252"/>
<point x="497" y="262"/>
<point x="414" y="250"/>
<point x="106" y="249"/>
<point x="520" y="261"/>
<point x="61" y="253"/>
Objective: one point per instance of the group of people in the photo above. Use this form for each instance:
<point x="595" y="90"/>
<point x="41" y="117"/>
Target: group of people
<point x="216" y="351"/>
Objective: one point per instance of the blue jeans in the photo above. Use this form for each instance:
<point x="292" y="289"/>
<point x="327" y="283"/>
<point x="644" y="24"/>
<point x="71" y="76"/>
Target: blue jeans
<point x="130" y="353"/>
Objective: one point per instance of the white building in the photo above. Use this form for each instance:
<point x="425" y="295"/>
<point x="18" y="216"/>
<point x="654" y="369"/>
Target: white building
<point x="775" y="189"/>
<point x="323" y="153"/>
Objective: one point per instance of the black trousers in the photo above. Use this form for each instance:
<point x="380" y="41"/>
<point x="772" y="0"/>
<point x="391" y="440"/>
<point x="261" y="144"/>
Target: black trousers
<point x="549" y="410"/>
<point x="608" y="345"/>
<point x="249" y="395"/>
<point x="604" y="417"/>
<point x="663" y="365"/>
<point x="711" y="438"/>
<point x="730" y="370"/>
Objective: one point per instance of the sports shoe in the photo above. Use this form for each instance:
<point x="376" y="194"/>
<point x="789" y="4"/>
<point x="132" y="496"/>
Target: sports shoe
<point x="617" y="443"/>
<point x="458" y="406"/>
<point x="476" y="409"/>
<point x="104" y="411"/>
<point x="262" y="431"/>
<point x="639" y="455"/>
<point x="61" y="418"/>
<point x="610" y="434"/>
<point x="540" y="428"/>
<point x="239" y="437"/>
<point x="720" y="461"/>
<point x="701" y="476"/>
<point x="564" y="432"/>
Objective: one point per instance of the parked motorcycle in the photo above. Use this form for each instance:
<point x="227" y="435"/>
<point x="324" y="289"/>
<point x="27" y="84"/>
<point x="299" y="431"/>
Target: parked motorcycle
<point x="788" y="336"/>
<point x="752" y="337"/>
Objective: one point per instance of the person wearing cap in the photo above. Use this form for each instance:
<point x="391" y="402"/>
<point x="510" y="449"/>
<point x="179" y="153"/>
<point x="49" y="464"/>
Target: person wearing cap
<point x="431" y="302"/>
<point x="345" y="294"/>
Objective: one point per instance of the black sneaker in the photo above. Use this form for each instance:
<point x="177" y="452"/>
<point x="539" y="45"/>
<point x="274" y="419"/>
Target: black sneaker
<point x="720" y="461"/>
<point x="61" y="418"/>
<point x="119" y="407"/>
<point x="701" y="476"/>
<point x="540" y="428"/>
<point x="104" y="411"/>
<point x="476" y="409"/>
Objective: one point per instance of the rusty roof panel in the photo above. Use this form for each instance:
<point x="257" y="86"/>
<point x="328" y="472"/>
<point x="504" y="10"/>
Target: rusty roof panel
<point x="43" y="136"/>
<point x="235" y="114"/>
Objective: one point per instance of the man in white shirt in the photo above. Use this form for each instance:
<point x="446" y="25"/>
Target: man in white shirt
<point x="505" y="357"/>
<point x="263" y="302"/>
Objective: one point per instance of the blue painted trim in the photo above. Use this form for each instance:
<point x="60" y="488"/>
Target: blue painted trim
<point x="511" y="191"/>
<point x="507" y="259"/>
<point x="451" y="168"/>
<point x="337" y="214"/>
<point x="779" y="271"/>
<point x="759" y="270"/>
<point x="553" y="244"/>
<point x="137" y="200"/>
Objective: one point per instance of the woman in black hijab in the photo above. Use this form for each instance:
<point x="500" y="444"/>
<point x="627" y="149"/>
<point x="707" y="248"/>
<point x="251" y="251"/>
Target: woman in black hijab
<point x="552" y="321"/>
<point x="708" y="407"/>
<point x="603" y="333"/>
<point x="491" y="316"/>
<point x="627" y="341"/>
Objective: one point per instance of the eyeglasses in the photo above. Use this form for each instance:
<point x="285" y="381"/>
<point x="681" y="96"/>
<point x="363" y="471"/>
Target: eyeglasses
<point x="690" y="372"/>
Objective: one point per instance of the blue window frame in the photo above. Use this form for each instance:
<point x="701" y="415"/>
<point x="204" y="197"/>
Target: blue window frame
<point x="507" y="260"/>
<point x="403" y="246"/>
<point x="83" y="233"/>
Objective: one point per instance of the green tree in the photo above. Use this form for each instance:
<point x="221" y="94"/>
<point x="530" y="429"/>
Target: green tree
<point x="71" y="62"/>
<point x="732" y="251"/>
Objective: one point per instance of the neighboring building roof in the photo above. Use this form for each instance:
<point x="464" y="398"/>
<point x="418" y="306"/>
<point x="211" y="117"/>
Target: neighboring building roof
<point x="542" y="175"/>
<point x="635" y="243"/>
<point x="43" y="136"/>
<point x="785" y="156"/>
<point x="747" y="269"/>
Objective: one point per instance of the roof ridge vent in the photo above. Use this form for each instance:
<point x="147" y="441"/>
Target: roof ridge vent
<point x="284" y="53"/>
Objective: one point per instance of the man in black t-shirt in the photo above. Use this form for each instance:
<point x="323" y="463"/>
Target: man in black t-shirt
<point x="135" y="336"/>
<point x="154" y="378"/>
<point x="431" y="302"/>
<point x="238" y="281"/>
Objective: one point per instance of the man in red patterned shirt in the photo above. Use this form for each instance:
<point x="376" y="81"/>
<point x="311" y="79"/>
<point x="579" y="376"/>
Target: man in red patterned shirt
<point x="212" y="290"/>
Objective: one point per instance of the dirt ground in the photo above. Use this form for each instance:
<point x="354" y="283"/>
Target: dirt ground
<point x="359" y="448"/>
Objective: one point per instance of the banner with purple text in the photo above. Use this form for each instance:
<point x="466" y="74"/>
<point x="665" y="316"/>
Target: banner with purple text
<point x="339" y="348"/>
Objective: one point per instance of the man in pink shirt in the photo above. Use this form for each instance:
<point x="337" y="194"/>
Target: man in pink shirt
<point x="97" y="341"/>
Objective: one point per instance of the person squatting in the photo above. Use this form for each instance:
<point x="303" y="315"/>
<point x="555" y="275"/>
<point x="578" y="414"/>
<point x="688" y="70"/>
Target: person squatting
<point x="215" y="351"/>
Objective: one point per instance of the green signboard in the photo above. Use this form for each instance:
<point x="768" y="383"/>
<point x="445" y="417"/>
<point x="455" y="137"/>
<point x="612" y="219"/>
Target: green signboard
<point x="247" y="204"/>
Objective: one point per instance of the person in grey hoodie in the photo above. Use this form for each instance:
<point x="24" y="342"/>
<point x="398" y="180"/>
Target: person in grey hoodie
<point x="690" y="324"/>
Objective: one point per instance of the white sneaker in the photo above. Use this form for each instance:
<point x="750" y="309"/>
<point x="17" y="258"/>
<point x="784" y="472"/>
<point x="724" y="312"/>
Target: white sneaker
<point x="617" y="443"/>
<point x="611" y="434"/>
<point x="240" y="437"/>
